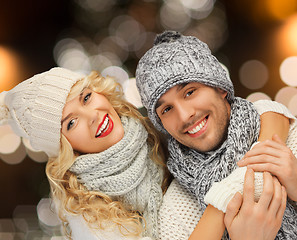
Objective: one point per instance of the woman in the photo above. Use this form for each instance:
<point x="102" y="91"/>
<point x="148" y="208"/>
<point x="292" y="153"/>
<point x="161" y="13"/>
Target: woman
<point x="102" y="177"/>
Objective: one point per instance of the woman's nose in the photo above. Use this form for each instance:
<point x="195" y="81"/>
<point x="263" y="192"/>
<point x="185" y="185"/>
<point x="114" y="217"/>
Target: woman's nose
<point x="90" y="115"/>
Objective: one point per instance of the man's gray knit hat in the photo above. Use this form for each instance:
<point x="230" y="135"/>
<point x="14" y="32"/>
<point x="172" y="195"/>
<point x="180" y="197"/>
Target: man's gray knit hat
<point x="34" y="108"/>
<point x="175" y="59"/>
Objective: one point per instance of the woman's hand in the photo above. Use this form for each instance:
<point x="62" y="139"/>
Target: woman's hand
<point x="256" y="220"/>
<point x="275" y="157"/>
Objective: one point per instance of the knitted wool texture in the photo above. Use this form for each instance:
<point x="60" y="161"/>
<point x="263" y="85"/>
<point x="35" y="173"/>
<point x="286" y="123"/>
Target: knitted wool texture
<point x="198" y="171"/>
<point x="125" y="172"/>
<point x="34" y="108"/>
<point x="177" y="59"/>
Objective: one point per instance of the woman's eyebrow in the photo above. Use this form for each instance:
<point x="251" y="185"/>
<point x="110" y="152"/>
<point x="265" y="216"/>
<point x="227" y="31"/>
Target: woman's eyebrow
<point x="67" y="117"/>
<point x="81" y="94"/>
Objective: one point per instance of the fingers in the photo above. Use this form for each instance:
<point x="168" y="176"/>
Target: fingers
<point x="268" y="190"/>
<point x="261" y="158"/>
<point x="264" y="148"/>
<point x="265" y="167"/>
<point x="282" y="208"/>
<point x="276" y="201"/>
<point x="232" y="209"/>
<point x="248" y="187"/>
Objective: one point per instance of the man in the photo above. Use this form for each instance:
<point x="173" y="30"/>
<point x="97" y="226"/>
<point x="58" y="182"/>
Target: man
<point x="189" y="95"/>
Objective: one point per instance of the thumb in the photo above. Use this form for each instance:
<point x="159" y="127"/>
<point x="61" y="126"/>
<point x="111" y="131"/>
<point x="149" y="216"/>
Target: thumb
<point x="232" y="209"/>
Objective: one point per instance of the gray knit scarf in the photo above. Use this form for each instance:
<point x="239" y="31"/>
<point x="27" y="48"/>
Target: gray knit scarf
<point x="197" y="171"/>
<point x="125" y="172"/>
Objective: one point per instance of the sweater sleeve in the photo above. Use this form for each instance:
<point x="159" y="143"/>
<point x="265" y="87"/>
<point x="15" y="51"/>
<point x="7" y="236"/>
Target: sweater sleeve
<point x="263" y="106"/>
<point x="222" y="192"/>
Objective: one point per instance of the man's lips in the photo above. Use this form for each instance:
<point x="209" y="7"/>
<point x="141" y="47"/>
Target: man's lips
<point x="198" y="128"/>
<point x="105" y="127"/>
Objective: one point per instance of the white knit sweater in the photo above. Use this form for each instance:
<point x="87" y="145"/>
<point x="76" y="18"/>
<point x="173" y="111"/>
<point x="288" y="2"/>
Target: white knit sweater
<point x="180" y="212"/>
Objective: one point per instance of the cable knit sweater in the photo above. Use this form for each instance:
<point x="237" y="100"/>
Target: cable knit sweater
<point x="180" y="212"/>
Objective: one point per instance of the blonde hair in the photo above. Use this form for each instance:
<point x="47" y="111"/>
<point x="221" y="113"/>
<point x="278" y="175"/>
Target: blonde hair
<point x="96" y="207"/>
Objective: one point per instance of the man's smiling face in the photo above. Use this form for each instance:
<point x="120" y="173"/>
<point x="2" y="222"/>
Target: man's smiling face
<point x="196" y="115"/>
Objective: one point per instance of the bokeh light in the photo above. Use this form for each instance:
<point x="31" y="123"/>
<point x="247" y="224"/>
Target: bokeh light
<point x="198" y="9"/>
<point x="12" y="151"/>
<point x="128" y="30"/>
<point x="285" y="94"/>
<point x="292" y="106"/>
<point x="257" y="96"/>
<point x="253" y="74"/>
<point x="288" y="71"/>
<point x="37" y="156"/>
<point x="118" y="73"/>
<point x="10" y="70"/>
<point x="132" y="94"/>
<point x="281" y="9"/>
<point x="287" y="36"/>
<point x="46" y="214"/>
<point x="173" y="16"/>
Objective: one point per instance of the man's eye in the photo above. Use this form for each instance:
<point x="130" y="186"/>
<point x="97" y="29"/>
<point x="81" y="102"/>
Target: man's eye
<point x="189" y="93"/>
<point x="87" y="97"/>
<point x="70" y="124"/>
<point x="166" y="110"/>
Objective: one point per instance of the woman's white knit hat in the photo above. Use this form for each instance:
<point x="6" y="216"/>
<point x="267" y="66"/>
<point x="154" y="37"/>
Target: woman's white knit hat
<point x="34" y="108"/>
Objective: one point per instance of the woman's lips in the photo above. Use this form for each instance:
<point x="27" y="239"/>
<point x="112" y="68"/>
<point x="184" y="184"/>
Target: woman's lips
<point x="105" y="127"/>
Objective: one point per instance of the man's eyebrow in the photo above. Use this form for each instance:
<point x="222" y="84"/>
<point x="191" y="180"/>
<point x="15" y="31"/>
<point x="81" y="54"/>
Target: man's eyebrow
<point x="179" y="87"/>
<point x="159" y="103"/>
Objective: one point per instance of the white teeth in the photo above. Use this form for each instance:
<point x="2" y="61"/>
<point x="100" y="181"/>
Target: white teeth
<point x="198" y="127"/>
<point x="104" y="125"/>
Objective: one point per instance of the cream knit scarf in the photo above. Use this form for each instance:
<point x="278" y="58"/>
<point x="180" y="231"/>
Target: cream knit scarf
<point x="125" y="172"/>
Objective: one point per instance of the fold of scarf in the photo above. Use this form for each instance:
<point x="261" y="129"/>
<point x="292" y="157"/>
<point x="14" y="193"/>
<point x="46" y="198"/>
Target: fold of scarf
<point x="125" y="172"/>
<point x="197" y="171"/>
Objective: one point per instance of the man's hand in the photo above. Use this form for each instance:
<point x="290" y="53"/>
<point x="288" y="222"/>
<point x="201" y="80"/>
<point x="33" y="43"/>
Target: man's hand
<point x="256" y="220"/>
<point x="275" y="157"/>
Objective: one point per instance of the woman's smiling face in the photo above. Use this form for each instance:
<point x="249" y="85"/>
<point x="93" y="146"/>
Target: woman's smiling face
<point x="90" y="123"/>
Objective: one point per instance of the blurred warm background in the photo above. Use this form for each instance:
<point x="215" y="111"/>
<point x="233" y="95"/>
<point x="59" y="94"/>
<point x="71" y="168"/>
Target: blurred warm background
<point x="255" y="40"/>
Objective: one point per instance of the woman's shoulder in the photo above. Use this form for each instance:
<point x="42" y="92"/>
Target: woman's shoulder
<point x="179" y="213"/>
<point x="179" y="199"/>
<point x="81" y="230"/>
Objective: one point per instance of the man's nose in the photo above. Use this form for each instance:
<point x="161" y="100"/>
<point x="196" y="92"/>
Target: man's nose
<point x="185" y="112"/>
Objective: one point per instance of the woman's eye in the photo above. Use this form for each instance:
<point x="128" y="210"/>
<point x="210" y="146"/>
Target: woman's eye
<point x="70" y="124"/>
<point x="86" y="98"/>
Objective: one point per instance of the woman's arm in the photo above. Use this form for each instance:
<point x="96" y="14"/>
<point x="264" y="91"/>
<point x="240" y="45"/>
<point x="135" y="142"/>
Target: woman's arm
<point x="211" y="225"/>
<point x="273" y="123"/>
